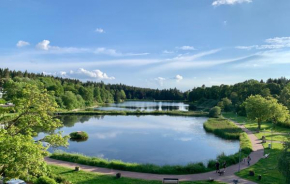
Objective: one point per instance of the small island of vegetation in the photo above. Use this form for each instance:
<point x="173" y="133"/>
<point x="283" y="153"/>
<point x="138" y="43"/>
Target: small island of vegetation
<point x="78" y="136"/>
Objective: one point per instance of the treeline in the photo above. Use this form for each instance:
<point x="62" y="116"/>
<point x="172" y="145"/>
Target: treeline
<point x="230" y="97"/>
<point x="72" y="93"/>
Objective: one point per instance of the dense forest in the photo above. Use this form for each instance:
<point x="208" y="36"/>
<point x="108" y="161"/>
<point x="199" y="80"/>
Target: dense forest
<point x="73" y="93"/>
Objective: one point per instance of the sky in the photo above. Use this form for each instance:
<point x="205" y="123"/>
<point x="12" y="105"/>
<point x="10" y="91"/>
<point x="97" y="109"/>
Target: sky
<point x="148" y="43"/>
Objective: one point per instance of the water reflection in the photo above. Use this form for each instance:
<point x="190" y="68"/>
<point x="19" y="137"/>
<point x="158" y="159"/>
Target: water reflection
<point x="146" y="139"/>
<point x="146" y="106"/>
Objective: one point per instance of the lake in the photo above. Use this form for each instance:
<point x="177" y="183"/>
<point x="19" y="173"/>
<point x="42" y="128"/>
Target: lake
<point x="145" y="105"/>
<point x="146" y="139"/>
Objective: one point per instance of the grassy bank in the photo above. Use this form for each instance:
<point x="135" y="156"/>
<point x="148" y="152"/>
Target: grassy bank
<point x="191" y="168"/>
<point x="228" y="130"/>
<point x="223" y="128"/>
<point x="172" y="113"/>
<point x="82" y="177"/>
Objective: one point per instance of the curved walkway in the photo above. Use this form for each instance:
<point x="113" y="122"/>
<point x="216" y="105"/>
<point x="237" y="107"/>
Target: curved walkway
<point x="228" y="177"/>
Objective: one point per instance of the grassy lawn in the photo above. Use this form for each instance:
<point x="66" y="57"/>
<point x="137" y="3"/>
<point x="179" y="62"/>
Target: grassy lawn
<point x="82" y="177"/>
<point x="265" y="128"/>
<point x="267" y="168"/>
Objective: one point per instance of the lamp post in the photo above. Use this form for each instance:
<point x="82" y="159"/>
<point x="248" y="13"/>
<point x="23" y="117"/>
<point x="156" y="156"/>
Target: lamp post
<point x="271" y="138"/>
<point x="240" y="160"/>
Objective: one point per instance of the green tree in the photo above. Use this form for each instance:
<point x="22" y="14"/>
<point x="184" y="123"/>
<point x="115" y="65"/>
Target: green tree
<point x="215" y="112"/>
<point x="257" y="109"/>
<point x="284" y="161"/>
<point x="20" y="155"/>
<point x="122" y="95"/>
<point x="70" y="100"/>
<point x="285" y="96"/>
<point x="279" y="113"/>
<point x="97" y="95"/>
<point x="266" y="92"/>
<point x="225" y="104"/>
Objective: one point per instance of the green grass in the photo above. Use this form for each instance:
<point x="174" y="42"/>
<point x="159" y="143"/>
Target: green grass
<point x="222" y="128"/>
<point x="267" y="168"/>
<point x="227" y="129"/>
<point x="265" y="129"/>
<point x="190" y="168"/>
<point x="173" y="113"/>
<point x="82" y="177"/>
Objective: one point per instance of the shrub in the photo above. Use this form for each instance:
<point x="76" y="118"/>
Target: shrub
<point x="245" y="143"/>
<point x="45" y="180"/>
<point x="79" y="135"/>
<point x="215" y="112"/>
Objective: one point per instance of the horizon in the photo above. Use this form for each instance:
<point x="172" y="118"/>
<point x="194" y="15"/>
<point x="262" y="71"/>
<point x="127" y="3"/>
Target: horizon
<point x="157" y="45"/>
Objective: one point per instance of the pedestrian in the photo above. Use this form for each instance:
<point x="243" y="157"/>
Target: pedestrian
<point x="224" y="165"/>
<point x="217" y="166"/>
<point x="249" y="159"/>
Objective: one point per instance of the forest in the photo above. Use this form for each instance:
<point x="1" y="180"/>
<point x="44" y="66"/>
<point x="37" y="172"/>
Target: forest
<point x="72" y="93"/>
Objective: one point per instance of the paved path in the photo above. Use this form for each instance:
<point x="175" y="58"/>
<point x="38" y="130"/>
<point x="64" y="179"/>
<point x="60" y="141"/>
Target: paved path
<point x="256" y="155"/>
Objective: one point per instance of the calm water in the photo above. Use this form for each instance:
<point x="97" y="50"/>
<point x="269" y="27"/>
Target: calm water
<point x="147" y="106"/>
<point x="147" y="139"/>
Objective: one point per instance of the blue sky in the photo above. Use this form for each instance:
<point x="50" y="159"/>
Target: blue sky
<point x="148" y="43"/>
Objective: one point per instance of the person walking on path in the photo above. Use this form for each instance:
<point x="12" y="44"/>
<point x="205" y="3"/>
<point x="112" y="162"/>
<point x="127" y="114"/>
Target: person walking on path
<point x="249" y="159"/>
<point x="224" y="165"/>
<point x="217" y="166"/>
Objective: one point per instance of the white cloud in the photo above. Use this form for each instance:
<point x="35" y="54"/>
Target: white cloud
<point x="100" y="30"/>
<point x="58" y="74"/>
<point x="160" y="80"/>
<point x="82" y="74"/>
<point x="186" y="47"/>
<point x="271" y="43"/>
<point x="22" y="43"/>
<point x="105" y="51"/>
<point x="229" y="2"/>
<point x="94" y="74"/>
<point x="178" y="78"/>
<point x="113" y="52"/>
<point x="167" y="52"/>
<point x="43" y="45"/>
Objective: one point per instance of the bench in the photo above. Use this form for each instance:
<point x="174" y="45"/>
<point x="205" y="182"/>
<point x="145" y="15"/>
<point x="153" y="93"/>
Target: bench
<point x="221" y="172"/>
<point x="170" y="180"/>
<point x="266" y="156"/>
<point x="211" y="180"/>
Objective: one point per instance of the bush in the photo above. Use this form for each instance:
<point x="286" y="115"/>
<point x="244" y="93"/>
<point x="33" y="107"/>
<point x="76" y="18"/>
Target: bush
<point x="245" y="143"/>
<point x="45" y="180"/>
<point x="2" y="101"/>
<point x="79" y="135"/>
<point x="215" y="112"/>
